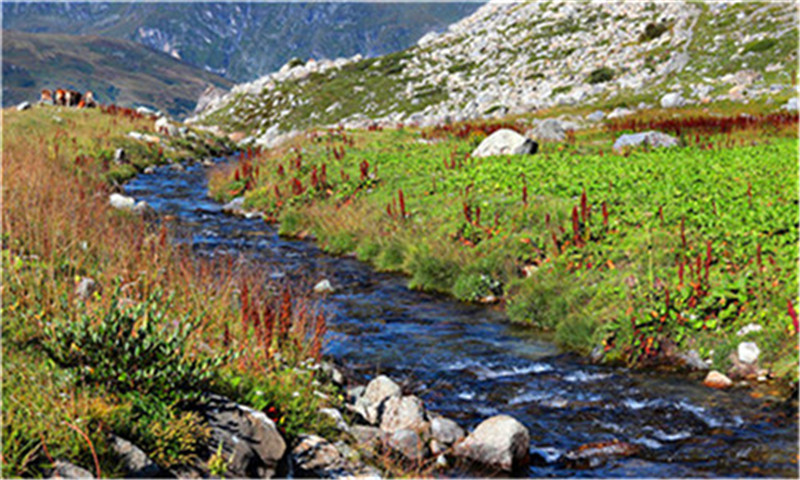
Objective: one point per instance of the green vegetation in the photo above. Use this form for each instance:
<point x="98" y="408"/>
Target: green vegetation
<point x="634" y="251"/>
<point x="653" y="31"/>
<point x="601" y="75"/>
<point x="759" y="46"/>
<point x="371" y="86"/>
<point x="135" y="356"/>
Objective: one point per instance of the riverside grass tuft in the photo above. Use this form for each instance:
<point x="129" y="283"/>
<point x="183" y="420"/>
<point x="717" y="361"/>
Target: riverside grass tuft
<point x="640" y="252"/>
<point x="69" y="378"/>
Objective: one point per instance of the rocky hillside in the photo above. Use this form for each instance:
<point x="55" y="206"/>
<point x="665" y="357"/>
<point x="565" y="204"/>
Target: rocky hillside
<point x="517" y="58"/>
<point x="241" y="41"/>
<point x="116" y="71"/>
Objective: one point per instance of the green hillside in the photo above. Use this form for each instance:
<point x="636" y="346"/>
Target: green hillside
<point x="116" y="71"/>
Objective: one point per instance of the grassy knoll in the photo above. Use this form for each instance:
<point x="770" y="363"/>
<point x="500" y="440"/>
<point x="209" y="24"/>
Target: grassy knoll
<point x="640" y="252"/>
<point x="135" y="356"/>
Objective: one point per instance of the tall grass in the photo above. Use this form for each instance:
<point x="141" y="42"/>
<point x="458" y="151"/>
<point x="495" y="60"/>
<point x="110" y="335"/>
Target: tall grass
<point x="57" y="228"/>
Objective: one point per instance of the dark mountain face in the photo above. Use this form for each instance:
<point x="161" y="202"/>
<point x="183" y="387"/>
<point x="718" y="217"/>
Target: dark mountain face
<point x="242" y="41"/>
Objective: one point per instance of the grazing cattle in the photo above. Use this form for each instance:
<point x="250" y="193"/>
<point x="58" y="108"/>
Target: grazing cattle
<point x="61" y="97"/>
<point x="88" y="100"/>
<point x="46" y="97"/>
<point x="68" y="98"/>
<point x="73" y="98"/>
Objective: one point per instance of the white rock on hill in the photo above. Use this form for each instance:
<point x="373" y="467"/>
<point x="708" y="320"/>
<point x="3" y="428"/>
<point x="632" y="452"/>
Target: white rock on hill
<point x="505" y="142"/>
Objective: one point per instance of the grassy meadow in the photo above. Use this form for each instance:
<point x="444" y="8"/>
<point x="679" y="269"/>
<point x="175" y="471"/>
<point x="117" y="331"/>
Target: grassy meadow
<point x="643" y="252"/>
<point x="136" y="355"/>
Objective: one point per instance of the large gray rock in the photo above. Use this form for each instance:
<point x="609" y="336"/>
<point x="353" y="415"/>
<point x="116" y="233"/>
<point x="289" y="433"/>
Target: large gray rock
<point x="248" y="437"/>
<point x="549" y="130"/>
<point x="446" y="431"/>
<point x="748" y="352"/>
<point x="380" y="389"/>
<point x="316" y="457"/>
<point x="500" y="442"/>
<point x="651" y="138"/>
<point x="505" y="142"/>
<point x="164" y="126"/>
<point x="672" y="100"/>
<point x="408" y="443"/>
<point x="596" y="116"/>
<point x="791" y="105"/>
<point x="366" y="437"/>
<point x="121" y="202"/>
<point x="619" y="112"/>
<point x="63" y="469"/>
<point x="137" y="464"/>
<point x="404" y="413"/>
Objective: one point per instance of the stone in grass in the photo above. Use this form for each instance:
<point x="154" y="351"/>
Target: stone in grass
<point x="748" y="352"/>
<point x="505" y="142"/>
<point x="651" y="138"/>
<point x="86" y="287"/>
<point x="672" y="100"/>
<point x="549" y="130"/>
<point x="121" y="202"/>
<point x="137" y="464"/>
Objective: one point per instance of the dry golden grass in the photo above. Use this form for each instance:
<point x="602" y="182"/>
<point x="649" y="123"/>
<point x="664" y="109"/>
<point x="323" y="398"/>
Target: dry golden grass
<point x="58" y="227"/>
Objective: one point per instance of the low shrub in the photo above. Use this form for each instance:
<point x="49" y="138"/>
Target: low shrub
<point x="577" y="333"/>
<point x="760" y="45"/>
<point x="429" y="272"/>
<point x="601" y="75"/>
<point x="475" y="286"/>
<point x="653" y="31"/>
<point x="140" y="348"/>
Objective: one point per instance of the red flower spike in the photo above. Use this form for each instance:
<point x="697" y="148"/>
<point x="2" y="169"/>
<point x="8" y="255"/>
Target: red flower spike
<point x="402" y="200"/>
<point x="792" y="314"/>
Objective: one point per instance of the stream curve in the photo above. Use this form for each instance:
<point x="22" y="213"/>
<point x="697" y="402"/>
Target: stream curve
<point x="467" y="362"/>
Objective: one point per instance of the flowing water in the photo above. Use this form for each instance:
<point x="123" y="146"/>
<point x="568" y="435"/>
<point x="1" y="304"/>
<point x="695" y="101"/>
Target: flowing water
<point x="467" y="362"/>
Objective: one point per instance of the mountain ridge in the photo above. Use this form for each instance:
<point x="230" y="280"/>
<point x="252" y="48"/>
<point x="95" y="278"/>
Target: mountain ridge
<point x="117" y="71"/>
<point x="509" y="58"/>
<point x="243" y="40"/>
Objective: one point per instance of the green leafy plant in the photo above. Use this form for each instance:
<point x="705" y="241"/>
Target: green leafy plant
<point x="653" y="31"/>
<point x="141" y="348"/>
<point x="759" y="46"/>
<point x="601" y="75"/>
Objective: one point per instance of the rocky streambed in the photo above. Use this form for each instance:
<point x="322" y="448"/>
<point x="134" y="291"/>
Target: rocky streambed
<point x="452" y="367"/>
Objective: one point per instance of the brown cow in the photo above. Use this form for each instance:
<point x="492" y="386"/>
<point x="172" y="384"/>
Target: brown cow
<point x="46" y="97"/>
<point x="73" y="98"/>
<point x="88" y="100"/>
<point x="61" y="97"/>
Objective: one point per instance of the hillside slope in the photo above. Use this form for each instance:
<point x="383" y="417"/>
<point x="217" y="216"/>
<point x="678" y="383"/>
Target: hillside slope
<point x="115" y="70"/>
<point x="243" y="40"/>
<point x="517" y="58"/>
